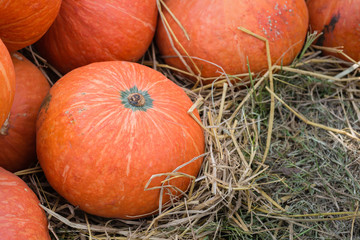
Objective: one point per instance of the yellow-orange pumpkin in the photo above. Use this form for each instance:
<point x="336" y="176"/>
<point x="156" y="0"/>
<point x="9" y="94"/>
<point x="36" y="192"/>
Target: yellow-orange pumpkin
<point x="7" y="83"/>
<point x="21" y="217"/>
<point x="339" y="22"/>
<point x="23" y="22"/>
<point x="106" y="128"/>
<point x="17" y="136"/>
<point x="216" y="44"/>
<point x="89" y="31"/>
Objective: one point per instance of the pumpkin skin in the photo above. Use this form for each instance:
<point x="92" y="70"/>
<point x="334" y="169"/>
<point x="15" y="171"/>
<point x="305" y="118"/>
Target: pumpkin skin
<point x="88" y="31"/>
<point x="98" y="151"/>
<point x="23" y="22"/>
<point x="212" y="27"/>
<point x="21" y="217"/>
<point x="17" y="136"/>
<point x="338" y="20"/>
<point x="7" y="83"/>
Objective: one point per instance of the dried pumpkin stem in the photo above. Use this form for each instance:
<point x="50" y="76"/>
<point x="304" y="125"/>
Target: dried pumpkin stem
<point x="136" y="99"/>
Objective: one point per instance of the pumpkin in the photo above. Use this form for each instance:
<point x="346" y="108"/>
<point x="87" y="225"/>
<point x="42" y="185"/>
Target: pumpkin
<point x="21" y="217"/>
<point x="209" y="32"/>
<point x="23" y="22"/>
<point x="7" y="83"/>
<point x="106" y="128"/>
<point x="89" y="31"/>
<point x="338" y="21"/>
<point x="17" y="136"/>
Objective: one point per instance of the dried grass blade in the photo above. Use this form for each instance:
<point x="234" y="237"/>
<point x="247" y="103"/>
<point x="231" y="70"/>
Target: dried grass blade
<point x="172" y="37"/>
<point x="270" y="199"/>
<point x="237" y="147"/>
<point x="272" y="99"/>
<point x="77" y="225"/>
<point x="353" y="221"/>
<point x="221" y="110"/>
<point x="349" y="70"/>
<point x="304" y="119"/>
<point x="240" y="223"/>
<point x="88" y="226"/>
<point x="313" y="74"/>
<point x="29" y="171"/>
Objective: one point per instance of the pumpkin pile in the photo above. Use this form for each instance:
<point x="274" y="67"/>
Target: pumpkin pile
<point x="17" y="134"/>
<point x="114" y="136"/>
<point x="89" y="31"/>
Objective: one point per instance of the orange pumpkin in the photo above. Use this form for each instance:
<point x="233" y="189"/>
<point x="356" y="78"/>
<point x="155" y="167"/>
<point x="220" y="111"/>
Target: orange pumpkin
<point x="7" y="83"/>
<point x="106" y="128"/>
<point x="338" y="20"/>
<point x="21" y="217"/>
<point x="215" y="43"/>
<point x="17" y="136"/>
<point x="89" y="31"/>
<point x="23" y="22"/>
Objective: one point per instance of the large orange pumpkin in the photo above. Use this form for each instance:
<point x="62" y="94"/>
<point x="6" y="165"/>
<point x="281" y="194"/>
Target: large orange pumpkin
<point x="338" y="20"/>
<point x="216" y="44"/>
<point x="17" y="136"/>
<point x="21" y="217"/>
<point x="7" y="83"/>
<point x="23" y="22"/>
<point x="89" y="31"/>
<point x="106" y="128"/>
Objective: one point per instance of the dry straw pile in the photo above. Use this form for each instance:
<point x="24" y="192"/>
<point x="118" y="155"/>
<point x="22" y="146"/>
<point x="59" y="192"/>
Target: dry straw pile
<point x="281" y="162"/>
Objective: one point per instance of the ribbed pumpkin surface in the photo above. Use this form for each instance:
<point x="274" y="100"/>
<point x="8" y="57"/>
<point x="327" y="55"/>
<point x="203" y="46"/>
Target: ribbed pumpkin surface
<point x="23" y="22"/>
<point x="99" y="151"/>
<point x="7" y="83"/>
<point x="21" y="217"/>
<point x="87" y="31"/>
<point x="17" y="136"/>
<point x="209" y="32"/>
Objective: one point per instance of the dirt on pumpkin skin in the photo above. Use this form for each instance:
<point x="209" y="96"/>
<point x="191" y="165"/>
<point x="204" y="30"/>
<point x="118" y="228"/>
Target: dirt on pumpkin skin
<point x="328" y="29"/>
<point x="46" y="102"/>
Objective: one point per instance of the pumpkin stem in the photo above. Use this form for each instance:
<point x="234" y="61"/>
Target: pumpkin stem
<point x="4" y="130"/>
<point x="136" y="99"/>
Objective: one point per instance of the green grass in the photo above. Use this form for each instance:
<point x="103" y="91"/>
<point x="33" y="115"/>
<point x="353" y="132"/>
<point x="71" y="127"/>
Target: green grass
<point x="320" y="174"/>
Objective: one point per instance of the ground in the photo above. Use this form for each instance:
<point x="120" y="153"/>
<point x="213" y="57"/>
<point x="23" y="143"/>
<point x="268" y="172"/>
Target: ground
<point x="282" y="160"/>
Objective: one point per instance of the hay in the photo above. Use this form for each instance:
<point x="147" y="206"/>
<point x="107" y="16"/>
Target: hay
<point x="281" y="161"/>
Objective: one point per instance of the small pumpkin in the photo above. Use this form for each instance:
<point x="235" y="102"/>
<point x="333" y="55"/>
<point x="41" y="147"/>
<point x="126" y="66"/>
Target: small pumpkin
<point x="106" y="128"/>
<point x="209" y="32"/>
<point x="7" y="83"/>
<point x="21" y="217"/>
<point x="338" y="21"/>
<point x="89" y="31"/>
<point x="17" y="136"/>
<point x="23" y="22"/>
